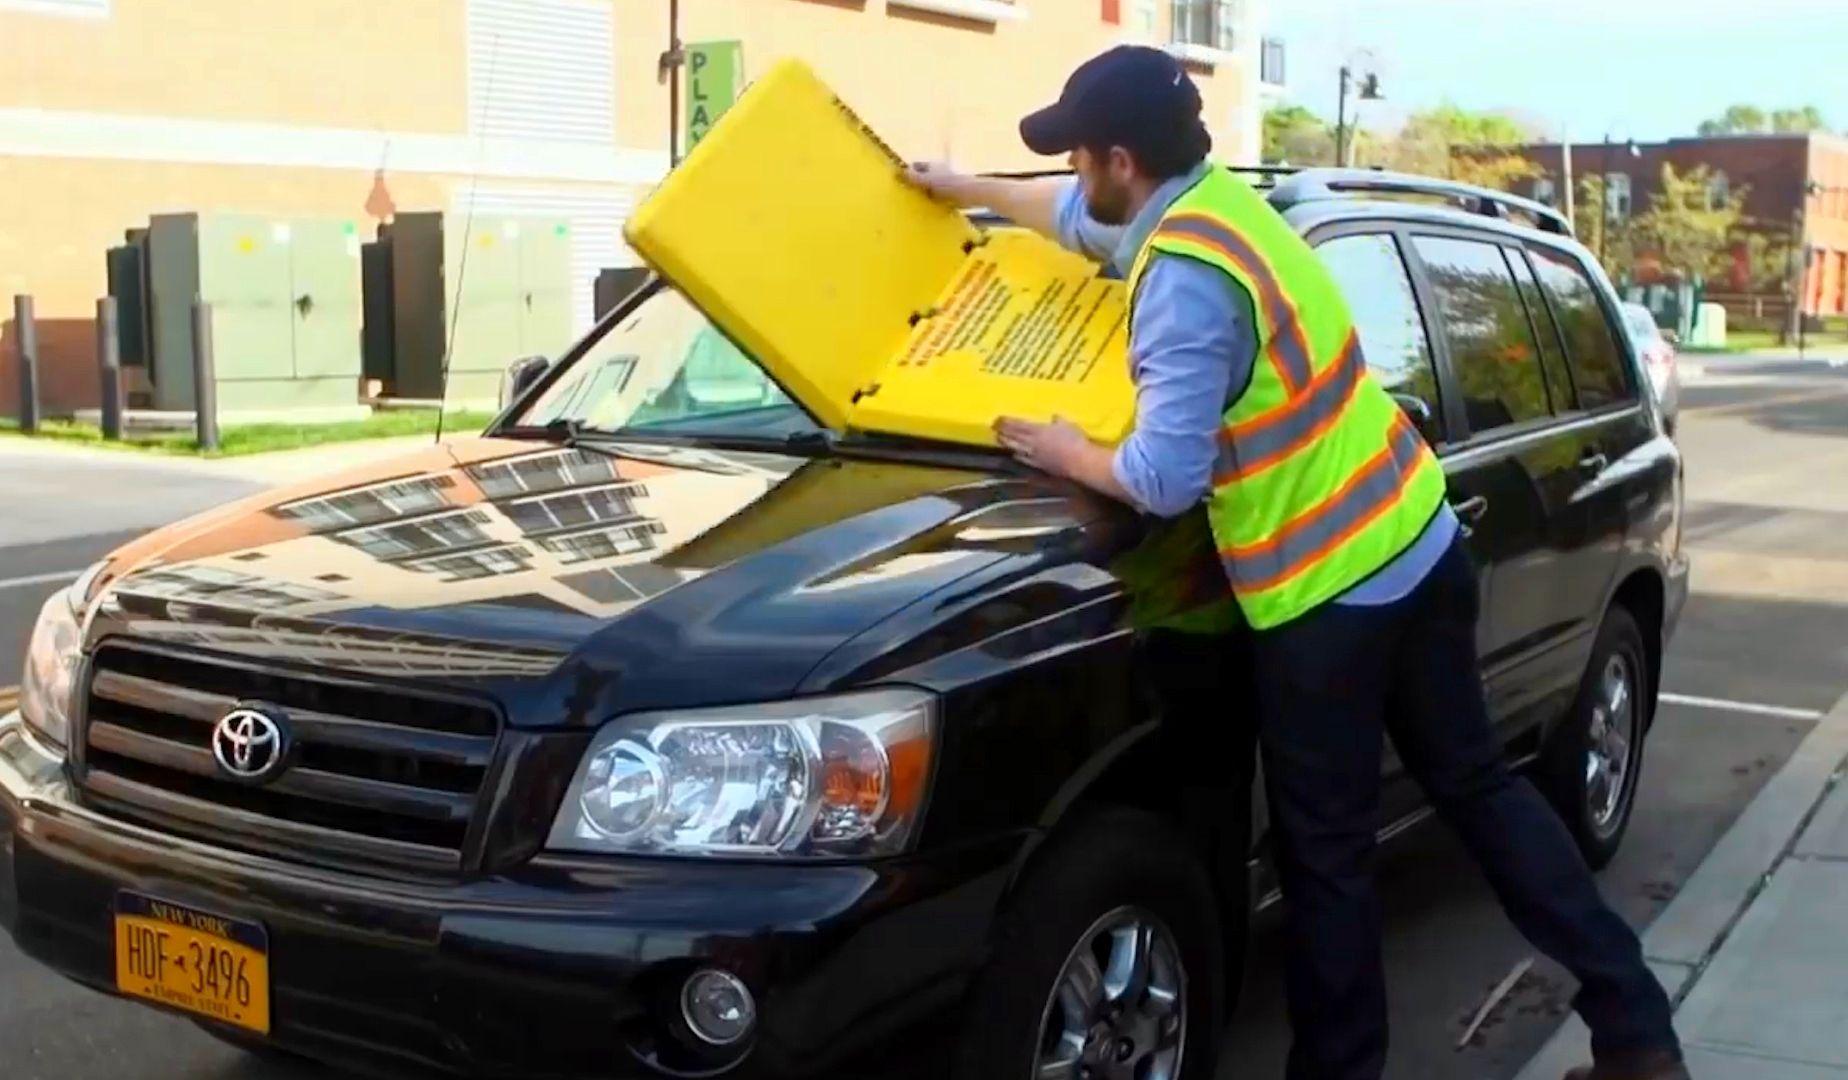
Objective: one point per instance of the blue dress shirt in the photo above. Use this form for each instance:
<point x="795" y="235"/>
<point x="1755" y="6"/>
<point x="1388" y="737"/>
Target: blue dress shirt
<point x="1192" y="348"/>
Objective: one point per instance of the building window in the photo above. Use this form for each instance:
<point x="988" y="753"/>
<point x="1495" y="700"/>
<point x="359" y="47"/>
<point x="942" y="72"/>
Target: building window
<point x="542" y="69"/>
<point x="1145" y="18"/>
<point x="1206" y="23"/>
<point x="422" y="536"/>
<point x="1617" y="202"/>
<point x="1270" y="65"/>
<point x="80" y="9"/>
<point x="605" y="543"/>
<point x="1719" y="190"/>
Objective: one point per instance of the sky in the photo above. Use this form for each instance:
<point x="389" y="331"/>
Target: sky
<point x="1642" y="69"/>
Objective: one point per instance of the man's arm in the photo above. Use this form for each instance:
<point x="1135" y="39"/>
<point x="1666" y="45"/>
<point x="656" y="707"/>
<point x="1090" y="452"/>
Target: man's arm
<point x="1192" y="350"/>
<point x="1052" y="206"/>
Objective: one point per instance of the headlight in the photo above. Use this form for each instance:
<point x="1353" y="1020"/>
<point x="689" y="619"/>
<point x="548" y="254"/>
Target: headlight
<point x="827" y="776"/>
<point x="51" y="669"/>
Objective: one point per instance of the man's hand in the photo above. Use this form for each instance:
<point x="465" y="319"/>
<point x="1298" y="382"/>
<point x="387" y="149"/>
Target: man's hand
<point x="1062" y="449"/>
<point x="941" y="180"/>
<point x="1052" y="448"/>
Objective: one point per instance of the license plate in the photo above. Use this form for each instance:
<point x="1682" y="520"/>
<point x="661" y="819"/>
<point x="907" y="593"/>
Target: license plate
<point x="192" y="960"/>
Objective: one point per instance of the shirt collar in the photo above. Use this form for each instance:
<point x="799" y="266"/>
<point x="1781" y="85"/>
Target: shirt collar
<point x="1137" y="232"/>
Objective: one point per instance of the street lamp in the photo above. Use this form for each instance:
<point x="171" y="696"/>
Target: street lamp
<point x="667" y="69"/>
<point x="1369" y="91"/>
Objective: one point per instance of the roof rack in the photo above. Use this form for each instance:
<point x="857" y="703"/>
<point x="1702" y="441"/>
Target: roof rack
<point x="1314" y="184"/>
<point x="1267" y="174"/>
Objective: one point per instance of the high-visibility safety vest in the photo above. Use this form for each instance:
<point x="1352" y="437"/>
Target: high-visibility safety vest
<point x="1321" y="479"/>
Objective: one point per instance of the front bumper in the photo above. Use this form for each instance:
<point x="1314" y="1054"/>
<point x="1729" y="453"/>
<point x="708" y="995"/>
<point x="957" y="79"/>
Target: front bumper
<point x="569" y="969"/>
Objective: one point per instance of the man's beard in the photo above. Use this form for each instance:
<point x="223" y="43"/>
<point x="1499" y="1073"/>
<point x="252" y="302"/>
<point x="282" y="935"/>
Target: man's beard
<point x="1108" y="205"/>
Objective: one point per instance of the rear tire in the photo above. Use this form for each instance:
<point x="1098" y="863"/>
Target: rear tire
<point x="1116" y="886"/>
<point x="1594" y="759"/>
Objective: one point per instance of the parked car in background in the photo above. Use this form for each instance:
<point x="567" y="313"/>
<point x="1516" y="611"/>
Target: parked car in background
<point x="1656" y="350"/>
<point x="663" y="733"/>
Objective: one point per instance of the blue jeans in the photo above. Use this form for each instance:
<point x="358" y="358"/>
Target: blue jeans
<point x="1328" y="685"/>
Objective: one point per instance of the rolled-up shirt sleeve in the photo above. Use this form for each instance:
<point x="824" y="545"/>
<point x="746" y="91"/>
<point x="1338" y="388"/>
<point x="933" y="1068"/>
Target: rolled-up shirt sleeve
<point x="1076" y="229"/>
<point x="1191" y="350"/>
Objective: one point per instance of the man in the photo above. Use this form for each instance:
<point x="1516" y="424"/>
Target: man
<point x="1330" y="515"/>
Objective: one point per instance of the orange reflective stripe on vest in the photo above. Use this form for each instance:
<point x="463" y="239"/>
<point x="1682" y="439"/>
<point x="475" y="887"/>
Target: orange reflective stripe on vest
<point x="1372" y="490"/>
<point x="1289" y="347"/>
<point x="1249" y="446"/>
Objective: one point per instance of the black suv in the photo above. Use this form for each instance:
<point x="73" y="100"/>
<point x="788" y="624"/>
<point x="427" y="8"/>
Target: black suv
<point x="662" y="733"/>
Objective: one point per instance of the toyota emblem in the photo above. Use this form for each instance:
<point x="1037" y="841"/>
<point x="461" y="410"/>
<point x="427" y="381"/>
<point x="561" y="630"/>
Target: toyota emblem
<point x="250" y="744"/>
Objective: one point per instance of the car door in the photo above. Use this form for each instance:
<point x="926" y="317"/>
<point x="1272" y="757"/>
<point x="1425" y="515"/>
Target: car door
<point x="1515" y="461"/>
<point x="1367" y="261"/>
<point x="1608" y="424"/>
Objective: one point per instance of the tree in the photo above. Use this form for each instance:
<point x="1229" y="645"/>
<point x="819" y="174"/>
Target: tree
<point x="1686" y="232"/>
<point x="1610" y="236"/>
<point x="1736" y="120"/>
<point x="1295" y="135"/>
<point x="1449" y="141"/>
<point x="1808" y="118"/>
<point x="1752" y="120"/>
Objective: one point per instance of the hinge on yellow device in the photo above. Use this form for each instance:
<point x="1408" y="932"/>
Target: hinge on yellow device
<point x="919" y="316"/>
<point x="865" y="391"/>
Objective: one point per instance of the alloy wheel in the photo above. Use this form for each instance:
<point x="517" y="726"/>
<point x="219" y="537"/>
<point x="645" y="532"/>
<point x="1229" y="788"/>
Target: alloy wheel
<point x="1118" y="1009"/>
<point x="1607" y="753"/>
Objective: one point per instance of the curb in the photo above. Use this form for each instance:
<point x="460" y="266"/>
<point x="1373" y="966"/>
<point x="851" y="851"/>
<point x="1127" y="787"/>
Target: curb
<point x="1683" y="939"/>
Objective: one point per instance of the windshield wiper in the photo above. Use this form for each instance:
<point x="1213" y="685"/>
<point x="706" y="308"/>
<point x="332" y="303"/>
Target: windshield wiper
<point x="572" y="432"/>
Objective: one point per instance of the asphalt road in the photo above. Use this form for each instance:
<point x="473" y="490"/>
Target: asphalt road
<point x="1767" y="626"/>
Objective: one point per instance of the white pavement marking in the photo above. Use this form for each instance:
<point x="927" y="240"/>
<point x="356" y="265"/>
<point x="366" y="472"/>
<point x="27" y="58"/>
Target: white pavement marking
<point x="1781" y="711"/>
<point x="38" y="579"/>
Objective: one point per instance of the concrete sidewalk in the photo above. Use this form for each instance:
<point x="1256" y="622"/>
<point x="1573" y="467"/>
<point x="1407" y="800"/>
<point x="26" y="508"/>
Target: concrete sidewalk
<point x="1754" y="950"/>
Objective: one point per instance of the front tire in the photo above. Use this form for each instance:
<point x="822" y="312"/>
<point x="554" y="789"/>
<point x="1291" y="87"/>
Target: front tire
<point x="1108" y="962"/>
<point x="1594" y="761"/>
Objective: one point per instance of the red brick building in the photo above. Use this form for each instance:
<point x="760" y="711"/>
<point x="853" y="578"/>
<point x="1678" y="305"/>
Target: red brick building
<point x="1797" y="186"/>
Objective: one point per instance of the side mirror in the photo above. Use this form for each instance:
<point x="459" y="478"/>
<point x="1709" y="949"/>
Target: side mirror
<point x="1420" y="412"/>
<point x="520" y="377"/>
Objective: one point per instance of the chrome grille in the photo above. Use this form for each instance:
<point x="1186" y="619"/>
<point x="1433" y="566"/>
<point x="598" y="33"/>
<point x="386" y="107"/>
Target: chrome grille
<point x="379" y="774"/>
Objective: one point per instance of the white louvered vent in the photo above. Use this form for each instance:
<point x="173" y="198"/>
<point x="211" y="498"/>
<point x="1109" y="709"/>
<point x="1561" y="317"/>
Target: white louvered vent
<point x="83" y="9"/>
<point x="542" y="69"/>
<point x="596" y="219"/>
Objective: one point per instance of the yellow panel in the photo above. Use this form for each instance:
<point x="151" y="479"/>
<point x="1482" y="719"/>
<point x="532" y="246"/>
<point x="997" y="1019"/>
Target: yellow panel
<point x="1025" y="329"/>
<point x="789" y="226"/>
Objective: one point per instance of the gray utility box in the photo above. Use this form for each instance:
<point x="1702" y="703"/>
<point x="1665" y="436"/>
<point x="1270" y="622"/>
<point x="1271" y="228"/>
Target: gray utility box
<point x="285" y="310"/>
<point x="503" y="282"/>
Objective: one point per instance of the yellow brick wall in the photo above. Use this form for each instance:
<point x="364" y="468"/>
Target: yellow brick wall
<point x="369" y="64"/>
<point x="922" y="81"/>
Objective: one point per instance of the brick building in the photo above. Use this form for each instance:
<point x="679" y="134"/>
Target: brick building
<point x="1797" y="187"/>
<point x="113" y="110"/>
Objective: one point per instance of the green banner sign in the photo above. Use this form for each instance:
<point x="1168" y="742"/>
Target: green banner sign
<point x="715" y="76"/>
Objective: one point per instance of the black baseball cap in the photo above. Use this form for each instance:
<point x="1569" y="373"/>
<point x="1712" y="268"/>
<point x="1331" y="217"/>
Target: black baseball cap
<point x="1133" y="96"/>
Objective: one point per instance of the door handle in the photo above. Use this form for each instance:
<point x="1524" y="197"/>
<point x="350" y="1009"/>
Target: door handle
<point x="1594" y="462"/>
<point x="1470" y="511"/>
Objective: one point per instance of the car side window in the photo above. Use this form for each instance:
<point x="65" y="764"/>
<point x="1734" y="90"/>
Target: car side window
<point x="1592" y="347"/>
<point x="1371" y="274"/>
<point x="1552" y="351"/>
<point x="1492" y="350"/>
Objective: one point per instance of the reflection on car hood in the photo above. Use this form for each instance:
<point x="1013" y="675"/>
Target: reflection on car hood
<point x="526" y="568"/>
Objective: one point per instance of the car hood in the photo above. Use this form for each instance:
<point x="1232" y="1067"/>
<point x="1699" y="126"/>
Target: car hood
<point x="568" y="581"/>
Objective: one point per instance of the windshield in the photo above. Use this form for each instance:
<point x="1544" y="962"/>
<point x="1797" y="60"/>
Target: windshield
<point x="663" y="369"/>
<point x="1642" y="324"/>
